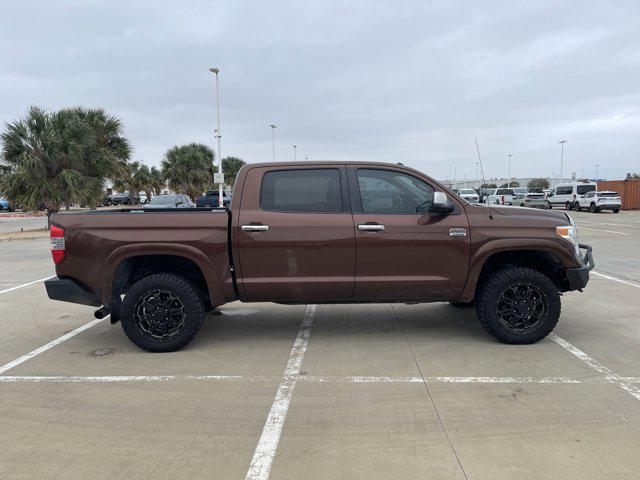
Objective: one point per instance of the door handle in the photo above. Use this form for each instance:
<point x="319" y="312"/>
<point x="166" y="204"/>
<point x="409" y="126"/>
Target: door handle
<point x="370" y="227"/>
<point x="255" y="228"/>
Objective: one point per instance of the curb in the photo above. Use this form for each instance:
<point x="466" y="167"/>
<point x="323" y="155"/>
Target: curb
<point x="24" y="237"/>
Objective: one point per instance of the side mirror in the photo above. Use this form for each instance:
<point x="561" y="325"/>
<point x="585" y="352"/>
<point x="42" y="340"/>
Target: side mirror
<point x="441" y="203"/>
<point x="179" y="202"/>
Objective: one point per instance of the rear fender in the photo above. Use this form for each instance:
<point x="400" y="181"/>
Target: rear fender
<point x="119" y="255"/>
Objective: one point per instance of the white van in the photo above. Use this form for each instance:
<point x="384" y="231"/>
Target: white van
<point x="566" y="194"/>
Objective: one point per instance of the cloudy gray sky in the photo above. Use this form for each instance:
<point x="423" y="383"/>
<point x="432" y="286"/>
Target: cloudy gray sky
<point x="410" y="81"/>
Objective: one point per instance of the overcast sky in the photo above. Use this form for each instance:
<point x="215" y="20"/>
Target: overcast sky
<point x="399" y="81"/>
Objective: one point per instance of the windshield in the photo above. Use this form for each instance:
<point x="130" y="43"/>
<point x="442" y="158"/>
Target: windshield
<point x="520" y="190"/>
<point x="163" y="200"/>
<point x="467" y="191"/>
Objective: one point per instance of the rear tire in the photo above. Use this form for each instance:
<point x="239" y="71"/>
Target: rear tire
<point x="531" y="297"/>
<point x="162" y="312"/>
<point x="577" y="207"/>
<point x="567" y="206"/>
<point x="616" y="210"/>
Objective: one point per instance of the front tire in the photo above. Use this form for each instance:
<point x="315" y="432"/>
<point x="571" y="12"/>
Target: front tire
<point x="576" y="207"/>
<point x="162" y="312"/>
<point x="518" y="305"/>
<point x="593" y="208"/>
<point x="567" y="206"/>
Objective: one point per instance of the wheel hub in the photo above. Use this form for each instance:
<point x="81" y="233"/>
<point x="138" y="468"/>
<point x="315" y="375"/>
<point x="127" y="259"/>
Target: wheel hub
<point x="522" y="307"/>
<point x="160" y="314"/>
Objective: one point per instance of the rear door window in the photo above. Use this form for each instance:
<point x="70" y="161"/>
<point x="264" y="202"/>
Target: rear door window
<point x="582" y="189"/>
<point x="303" y="190"/>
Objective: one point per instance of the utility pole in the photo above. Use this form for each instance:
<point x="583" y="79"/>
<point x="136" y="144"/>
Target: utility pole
<point x="273" y="130"/>
<point x="509" y="172"/>
<point x="219" y="137"/>
<point x="454" y="176"/>
<point x="561" y="142"/>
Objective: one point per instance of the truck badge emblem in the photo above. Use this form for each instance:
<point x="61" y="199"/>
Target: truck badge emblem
<point x="457" y="232"/>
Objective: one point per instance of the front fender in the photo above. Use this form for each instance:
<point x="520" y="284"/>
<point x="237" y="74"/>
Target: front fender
<point x="482" y="254"/>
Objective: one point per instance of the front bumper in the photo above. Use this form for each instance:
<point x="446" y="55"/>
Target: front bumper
<point x="68" y="290"/>
<point x="579" y="277"/>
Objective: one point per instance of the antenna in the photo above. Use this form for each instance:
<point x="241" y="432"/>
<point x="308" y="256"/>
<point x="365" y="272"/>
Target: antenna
<point x="482" y="173"/>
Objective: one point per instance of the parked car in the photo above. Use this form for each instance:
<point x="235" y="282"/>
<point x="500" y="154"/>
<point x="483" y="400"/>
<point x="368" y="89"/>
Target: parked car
<point x="121" y="199"/>
<point x="469" y="194"/>
<point x="5" y="205"/>
<point x="169" y="201"/>
<point x="484" y="192"/>
<point x="500" y="196"/>
<point x="319" y="232"/>
<point x="566" y="194"/>
<point x="598" y="201"/>
<point x="534" y="200"/>
<point x="143" y="198"/>
<point x="210" y="199"/>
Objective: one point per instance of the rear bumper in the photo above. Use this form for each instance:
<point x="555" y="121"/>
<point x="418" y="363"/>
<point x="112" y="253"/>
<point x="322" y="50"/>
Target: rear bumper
<point x="610" y="206"/>
<point x="579" y="277"/>
<point x="68" y="290"/>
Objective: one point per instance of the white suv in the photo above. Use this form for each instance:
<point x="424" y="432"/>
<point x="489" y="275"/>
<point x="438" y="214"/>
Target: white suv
<point x="500" y="196"/>
<point x="566" y="194"/>
<point x="469" y="194"/>
<point x="597" y="201"/>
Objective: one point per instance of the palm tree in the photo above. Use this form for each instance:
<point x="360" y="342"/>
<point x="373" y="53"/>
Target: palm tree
<point x="189" y="168"/>
<point x="62" y="157"/>
<point x="157" y="181"/>
<point x="230" y="167"/>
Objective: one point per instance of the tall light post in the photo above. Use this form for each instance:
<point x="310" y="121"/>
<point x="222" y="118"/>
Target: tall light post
<point x="509" y="172"/>
<point x="597" y="165"/>
<point x="454" y="177"/>
<point x="477" y="163"/>
<point x="295" y="149"/>
<point x="273" y="130"/>
<point x="561" y="142"/>
<point x="219" y="137"/>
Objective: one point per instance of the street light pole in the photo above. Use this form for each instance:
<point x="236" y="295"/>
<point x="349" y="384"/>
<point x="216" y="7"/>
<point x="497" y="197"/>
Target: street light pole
<point x="454" y="177"/>
<point x="561" y="142"/>
<point x="218" y="135"/>
<point x="509" y="172"/>
<point x="273" y="130"/>
<point x="295" y="149"/>
<point x="597" y="165"/>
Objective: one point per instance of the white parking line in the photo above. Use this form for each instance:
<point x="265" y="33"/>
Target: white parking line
<point x="305" y="378"/>
<point x="24" y="285"/>
<point x="616" y="279"/>
<point x="268" y="444"/>
<point x="51" y="344"/>
<point x="608" y="374"/>
<point x="609" y="223"/>
<point x="601" y="230"/>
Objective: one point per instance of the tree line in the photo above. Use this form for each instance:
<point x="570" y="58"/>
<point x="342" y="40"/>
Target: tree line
<point x="54" y="159"/>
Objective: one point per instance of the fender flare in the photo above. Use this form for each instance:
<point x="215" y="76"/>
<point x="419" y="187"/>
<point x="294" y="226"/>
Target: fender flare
<point x="480" y="257"/>
<point x="119" y="255"/>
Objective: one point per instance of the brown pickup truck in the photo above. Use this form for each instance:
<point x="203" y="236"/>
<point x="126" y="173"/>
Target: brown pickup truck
<point x="319" y="232"/>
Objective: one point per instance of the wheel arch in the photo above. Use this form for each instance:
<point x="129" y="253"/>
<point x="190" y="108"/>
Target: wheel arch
<point x="544" y="256"/>
<point x="132" y="262"/>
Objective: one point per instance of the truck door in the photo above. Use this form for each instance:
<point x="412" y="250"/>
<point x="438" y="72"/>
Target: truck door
<point x="296" y="240"/>
<point x="404" y="251"/>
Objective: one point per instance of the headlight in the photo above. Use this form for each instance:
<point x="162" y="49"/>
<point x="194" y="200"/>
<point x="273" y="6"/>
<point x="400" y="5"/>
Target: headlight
<point x="570" y="233"/>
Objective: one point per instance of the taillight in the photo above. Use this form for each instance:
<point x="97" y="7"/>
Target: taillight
<point x="57" y="244"/>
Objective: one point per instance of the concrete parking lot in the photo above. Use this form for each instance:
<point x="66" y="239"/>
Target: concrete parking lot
<point x="327" y="391"/>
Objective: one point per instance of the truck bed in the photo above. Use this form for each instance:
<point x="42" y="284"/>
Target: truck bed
<point x="99" y="242"/>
